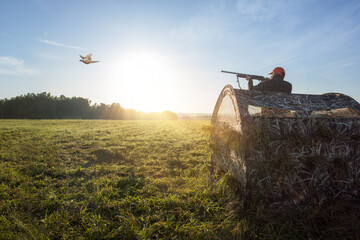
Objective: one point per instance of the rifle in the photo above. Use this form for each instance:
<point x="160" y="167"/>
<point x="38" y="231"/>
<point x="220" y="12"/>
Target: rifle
<point x="244" y="75"/>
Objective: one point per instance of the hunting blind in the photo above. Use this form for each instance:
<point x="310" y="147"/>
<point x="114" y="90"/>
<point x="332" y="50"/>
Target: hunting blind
<point x="288" y="149"/>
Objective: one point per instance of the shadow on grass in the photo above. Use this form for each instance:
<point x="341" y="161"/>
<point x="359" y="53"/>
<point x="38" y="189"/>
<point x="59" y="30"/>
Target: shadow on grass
<point x="106" y="156"/>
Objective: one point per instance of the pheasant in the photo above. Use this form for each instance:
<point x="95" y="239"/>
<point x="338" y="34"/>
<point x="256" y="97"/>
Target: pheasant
<point x="87" y="59"/>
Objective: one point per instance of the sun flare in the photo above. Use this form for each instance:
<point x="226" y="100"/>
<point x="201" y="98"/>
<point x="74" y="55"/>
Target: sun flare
<point x="146" y="81"/>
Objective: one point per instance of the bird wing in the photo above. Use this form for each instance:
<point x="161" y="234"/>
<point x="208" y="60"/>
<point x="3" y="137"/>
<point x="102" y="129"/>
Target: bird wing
<point x="93" y="61"/>
<point x="89" y="56"/>
<point x="82" y="57"/>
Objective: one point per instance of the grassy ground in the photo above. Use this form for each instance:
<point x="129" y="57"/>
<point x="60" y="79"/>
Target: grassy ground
<point x="63" y="179"/>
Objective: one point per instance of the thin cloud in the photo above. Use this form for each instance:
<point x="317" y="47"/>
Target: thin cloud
<point x="198" y="29"/>
<point x="258" y="9"/>
<point x="10" y="61"/>
<point x="199" y="33"/>
<point x="14" y="67"/>
<point x="253" y="8"/>
<point x="57" y="44"/>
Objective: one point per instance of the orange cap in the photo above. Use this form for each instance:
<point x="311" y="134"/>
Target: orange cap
<point x="278" y="70"/>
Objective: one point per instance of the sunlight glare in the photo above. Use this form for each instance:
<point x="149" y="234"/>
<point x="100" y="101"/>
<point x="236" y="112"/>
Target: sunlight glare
<point x="146" y="80"/>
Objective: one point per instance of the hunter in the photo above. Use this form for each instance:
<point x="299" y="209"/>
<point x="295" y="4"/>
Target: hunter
<point x="275" y="83"/>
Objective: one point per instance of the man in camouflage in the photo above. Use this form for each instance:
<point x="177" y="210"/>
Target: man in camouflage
<point x="275" y="83"/>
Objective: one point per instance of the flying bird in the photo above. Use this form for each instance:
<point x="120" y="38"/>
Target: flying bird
<point x="87" y="59"/>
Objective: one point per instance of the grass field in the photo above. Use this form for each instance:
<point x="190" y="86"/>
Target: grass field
<point x="65" y="179"/>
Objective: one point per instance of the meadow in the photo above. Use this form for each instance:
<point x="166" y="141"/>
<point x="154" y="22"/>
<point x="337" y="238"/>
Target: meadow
<point x="102" y="179"/>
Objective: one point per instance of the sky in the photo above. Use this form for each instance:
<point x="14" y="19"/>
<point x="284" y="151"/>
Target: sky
<point x="158" y="55"/>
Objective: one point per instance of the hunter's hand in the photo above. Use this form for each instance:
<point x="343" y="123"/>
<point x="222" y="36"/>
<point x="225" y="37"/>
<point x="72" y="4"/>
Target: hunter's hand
<point x="248" y="78"/>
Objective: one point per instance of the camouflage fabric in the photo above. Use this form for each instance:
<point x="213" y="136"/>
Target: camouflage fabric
<point x="289" y="160"/>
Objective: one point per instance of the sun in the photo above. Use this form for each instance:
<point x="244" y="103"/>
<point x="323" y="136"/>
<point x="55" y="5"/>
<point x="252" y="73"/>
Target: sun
<point x="144" y="80"/>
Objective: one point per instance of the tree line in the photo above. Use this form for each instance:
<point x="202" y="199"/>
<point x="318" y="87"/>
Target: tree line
<point x="46" y="106"/>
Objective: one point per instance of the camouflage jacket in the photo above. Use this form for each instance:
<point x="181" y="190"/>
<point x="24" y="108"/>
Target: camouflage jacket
<point x="277" y="84"/>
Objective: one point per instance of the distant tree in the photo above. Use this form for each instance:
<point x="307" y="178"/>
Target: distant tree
<point x="2" y="107"/>
<point x="46" y="106"/>
<point x="169" y="115"/>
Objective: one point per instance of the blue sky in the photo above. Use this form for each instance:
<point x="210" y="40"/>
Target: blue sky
<point x="168" y="55"/>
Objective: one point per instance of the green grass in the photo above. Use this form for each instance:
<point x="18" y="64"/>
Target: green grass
<point x="80" y="179"/>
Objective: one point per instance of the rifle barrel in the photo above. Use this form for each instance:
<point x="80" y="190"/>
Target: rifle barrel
<point x="244" y="75"/>
<point x="228" y="72"/>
